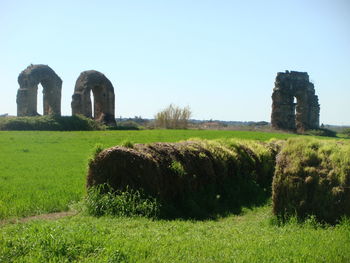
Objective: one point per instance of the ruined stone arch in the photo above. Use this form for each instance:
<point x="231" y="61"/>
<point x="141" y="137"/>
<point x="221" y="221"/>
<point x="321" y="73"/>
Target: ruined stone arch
<point x="27" y="93"/>
<point x="287" y="115"/>
<point x="104" y="99"/>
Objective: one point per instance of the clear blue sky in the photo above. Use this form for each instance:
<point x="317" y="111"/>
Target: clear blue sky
<point x="218" y="57"/>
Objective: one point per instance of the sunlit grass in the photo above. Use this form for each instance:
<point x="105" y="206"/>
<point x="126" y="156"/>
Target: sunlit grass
<point x="44" y="172"/>
<point x="251" y="237"/>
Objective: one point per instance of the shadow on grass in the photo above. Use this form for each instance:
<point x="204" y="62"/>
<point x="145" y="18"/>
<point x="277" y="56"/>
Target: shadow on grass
<point x="210" y="203"/>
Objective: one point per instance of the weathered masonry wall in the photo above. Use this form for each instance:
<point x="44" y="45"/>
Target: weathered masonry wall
<point x="104" y="99"/>
<point x="87" y="82"/>
<point x="288" y="115"/>
<point x="27" y="94"/>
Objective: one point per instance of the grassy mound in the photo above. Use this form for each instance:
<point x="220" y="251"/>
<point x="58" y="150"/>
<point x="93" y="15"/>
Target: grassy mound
<point x="312" y="177"/>
<point x="191" y="179"/>
<point x="49" y="123"/>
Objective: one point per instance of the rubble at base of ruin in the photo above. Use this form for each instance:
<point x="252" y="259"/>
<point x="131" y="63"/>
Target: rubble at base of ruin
<point x="288" y="115"/>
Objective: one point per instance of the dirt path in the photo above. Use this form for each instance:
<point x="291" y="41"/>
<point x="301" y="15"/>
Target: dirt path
<point x="50" y="216"/>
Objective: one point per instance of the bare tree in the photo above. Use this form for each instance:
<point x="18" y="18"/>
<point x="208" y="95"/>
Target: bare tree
<point x="173" y="117"/>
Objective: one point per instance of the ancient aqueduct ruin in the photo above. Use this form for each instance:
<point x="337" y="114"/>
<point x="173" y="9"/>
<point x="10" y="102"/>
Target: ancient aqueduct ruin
<point x="27" y="93"/>
<point x="104" y="101"/>
<point x="286" y="114"/>
<point x="88" y="81"/>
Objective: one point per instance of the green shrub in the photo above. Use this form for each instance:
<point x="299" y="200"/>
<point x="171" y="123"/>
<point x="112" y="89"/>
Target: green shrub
<point x="321" y="132"/>
<point x="95" y="152"/>
<point x="104" y="201"/>
<point x="346" y="131"/>
<point x="177" y="168"/>
<point x="191" y="179"/>
<point x="50" y="123"/>
<point x="173" y="117"/>
<point x="127" y="144"/>
<point x="126" y="125"/>
<point x="312" y="178"/>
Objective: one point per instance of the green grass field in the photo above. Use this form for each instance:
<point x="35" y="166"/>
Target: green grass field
<point x="250" y="237"/>
<point x="42" y="172"/>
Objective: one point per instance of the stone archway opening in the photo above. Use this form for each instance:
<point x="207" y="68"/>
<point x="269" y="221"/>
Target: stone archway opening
<point x="295" y="104"/>
<point x="300" y="113"/>
<point x="98" y="99"/>
<point x="92" y="98"/>
<point x="40" y="100"/>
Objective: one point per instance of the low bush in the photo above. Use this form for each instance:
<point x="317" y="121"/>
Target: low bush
<point x="50" y="123"/>
<point x="101" y="200"/>
<point x="173" y="117"/>
<point x="126" y="125"/>
<point x="191" y="179"/>
<point x="312" y="178"/>
<point x="321" y="132"/>
<point x="346" y="131"/>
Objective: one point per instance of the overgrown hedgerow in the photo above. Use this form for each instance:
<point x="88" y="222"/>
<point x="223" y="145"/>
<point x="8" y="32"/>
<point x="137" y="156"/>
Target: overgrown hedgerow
<point x="202" y="178"/>
<point x="321" y="132"/>
<point x="191" y="179"/>
<point x="312" y="178"/>
<point x="50" y="123"/>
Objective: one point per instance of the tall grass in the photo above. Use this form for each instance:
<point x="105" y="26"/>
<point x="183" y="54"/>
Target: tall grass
<point x="102" y="200"/>
<point x="313" y="178"/>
